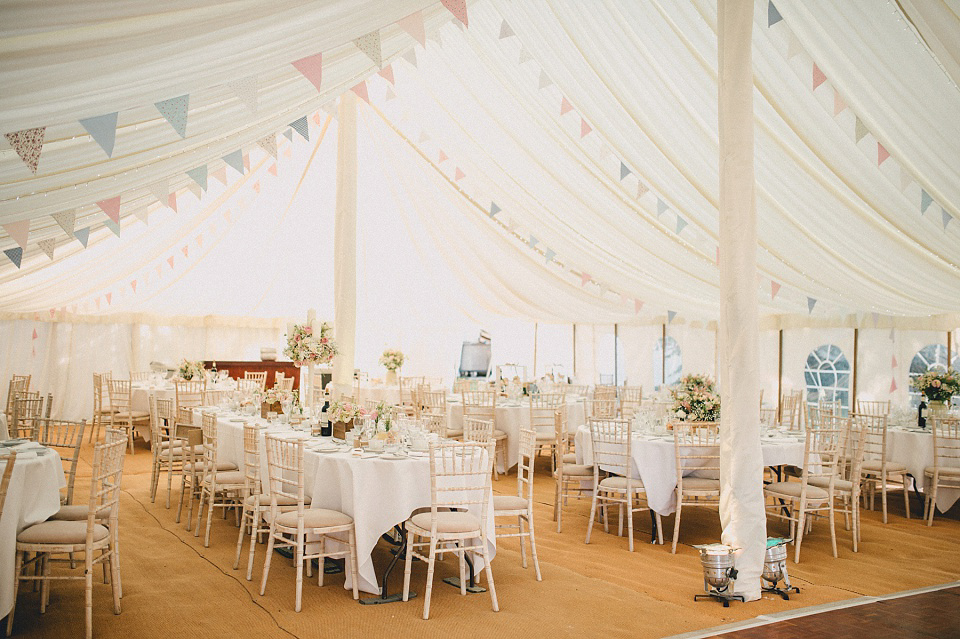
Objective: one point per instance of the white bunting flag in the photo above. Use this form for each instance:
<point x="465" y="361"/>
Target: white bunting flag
<point x="413" y="24"/>
<point x="246" y="91"/>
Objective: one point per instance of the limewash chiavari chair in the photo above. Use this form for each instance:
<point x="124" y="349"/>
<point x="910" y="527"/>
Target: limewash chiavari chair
<point x="697" y="446"/>
<point x="945" y="472"/>
<point x="17" y="384"/>
<point x="569" y="475"/>
<point x="11" y="460"/>
<point x="477" y="430"/>
<point x="259" y="377"/>
<point x="482" y="404"/>
<point x="123" y="416"/>
<point x="27" y="409"/>
<point x="66" y="437"/>
<point x="794" y="501"/>
<point x="141" y="376"/>
<point x="102" y="410"/>
<point x="521" y="504"/>
<point x="873" y="408"/>
<point x="289" y="529"/>
<point x="188" y="393"/>
<point x="168" y="451"/>
<point x="408" y="398"/>
<point x="219" y="488"/>
<point x="631" y="397"/>
<point x="543" y="406"/>
<point x="612" y="452"/>
<point x="216" y="397"/>
<point x="791" y="407"/>
<point x="434" y="403"/>
<point x="248" y="387"/>
<point x="89" y="536"/>
<point x="846" y="487"/>
<point x="459" y="479"/>
<point x="876" y="470"/>
<point x="603" y="408"/>
<point x="284" y="383"/>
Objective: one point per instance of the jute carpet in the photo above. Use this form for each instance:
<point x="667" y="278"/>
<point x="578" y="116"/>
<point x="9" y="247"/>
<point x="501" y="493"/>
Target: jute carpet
<point x="173" y="586"/>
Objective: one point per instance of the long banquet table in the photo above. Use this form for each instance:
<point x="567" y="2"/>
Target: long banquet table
<point x="33" y="495"/>
<point x="377" y="493"/>
<point x="654" y="461"/>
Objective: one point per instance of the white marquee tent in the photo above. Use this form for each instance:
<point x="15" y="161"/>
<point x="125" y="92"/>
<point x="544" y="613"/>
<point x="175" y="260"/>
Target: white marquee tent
<point x="546" y="170"/>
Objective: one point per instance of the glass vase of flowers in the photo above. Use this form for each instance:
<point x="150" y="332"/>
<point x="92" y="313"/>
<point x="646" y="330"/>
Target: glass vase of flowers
<point x="938" y="387"/>
<point x="392" y="360"/>
<point x="273" y="400"/>
<point x="191" y="369"/>
<point x="695" y="399"/>
<point x="342" y="415"/>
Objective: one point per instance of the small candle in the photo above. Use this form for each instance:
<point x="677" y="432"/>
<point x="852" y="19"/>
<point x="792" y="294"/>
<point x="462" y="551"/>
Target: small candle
<point x="311" y="316"/>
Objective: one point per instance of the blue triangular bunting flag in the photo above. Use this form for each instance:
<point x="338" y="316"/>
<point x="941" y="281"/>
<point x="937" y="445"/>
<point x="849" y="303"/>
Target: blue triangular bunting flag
<point x="533" y="241"/>
<point x="925" y="201"/>
<point x="113" y="226"/>
<point x="103" y="130"/>
<point x="494" y="209"/>
<point x="235" y="160"/>
<point x="300" y="126"/>
<point x="288" y="133"/>
<point x="670" y="316"/>
<point x="175" y="112"/>
<point x="661" y="207"/>
<point x="773" y="16"/>
<point x="681" y="224"/>
<point x="548" y="255"/>
<point x="624" y="171"/>
<point x="15" y="254"/>
<point x="82" y="235"/>
<point x="199" y="175"/>
<point x="810" y="304"/>
<point x="946" y="218"/>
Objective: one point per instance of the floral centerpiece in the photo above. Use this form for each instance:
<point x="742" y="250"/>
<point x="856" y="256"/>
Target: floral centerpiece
<point x="310" y="343"/>
<point x="695" y="399"/>
<point x="272" y="399"/>
<point x="938" y="386"/>
<point x="188" y="370"/>
<point x="345" y="412"/>
<point x="392" y="360"/>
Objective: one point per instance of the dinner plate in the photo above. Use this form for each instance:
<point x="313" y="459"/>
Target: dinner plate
<point x="237" y="419"/>
<point x="393" y="456"/>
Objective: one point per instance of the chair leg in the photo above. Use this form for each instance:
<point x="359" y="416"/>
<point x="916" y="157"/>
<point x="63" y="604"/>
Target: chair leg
<point x="659" y="529"/>
<point x="16" y="586"/>
<point x="833" y="531"/>
<point x="352" y="537"/>
<point x="298" y="559"/>
<point x="933" y="501"/>
<point x="533" y="545"/>
<point x="115" y="585"/>
<point x="240" y="537"/>
<point x="407" y="567"/>
<point x="88" y="591"/>
<point x="906" y="494"/>
<point x="593" y="515"/>
<point x="523" y="545"/>
<point x="462" y="561"/>
<point x="430" y="567"/>
<point x="183" y="488"/>
<point x="154" y="479"/>
<point x="213" y="498"/>
<point x="676" y="523"/>
<point x="489" y="570"/>
<point x="254" y="527"/>
<point x="801" y="525"/>
<point x="883" y="496"/>
<point x="266" y="562"/>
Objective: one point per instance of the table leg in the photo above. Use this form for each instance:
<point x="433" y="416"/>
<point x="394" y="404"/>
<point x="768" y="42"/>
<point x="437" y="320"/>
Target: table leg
<point x="472" y="587"/>
<point x="385" y="597"/>
<point x="653" y="529"/>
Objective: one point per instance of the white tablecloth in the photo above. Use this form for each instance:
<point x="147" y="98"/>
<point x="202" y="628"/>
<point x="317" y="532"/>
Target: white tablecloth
<point x="655" y="462"/>
<point x="377" y="493"/>
<point x="32" y="496"/>
<point x="370" y="392"/>
<point x="915" y="451"/>
<point x="510" y="418"/>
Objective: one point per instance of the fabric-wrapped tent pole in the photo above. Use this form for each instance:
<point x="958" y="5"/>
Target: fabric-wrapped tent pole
<point x="345" y="245"/>
<point x="741" y="473"/>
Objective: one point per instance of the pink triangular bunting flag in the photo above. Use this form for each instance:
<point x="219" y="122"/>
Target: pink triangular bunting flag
<point x="458" y="8"/>
<point x="818" y="76"/>
<point x="133" y="285"/>
<point x="256" y="186"/>
<point x="288" y="152"/>
<point x="170" y="261"/>
<point x="442" y="157"/>
<point x="312" y="68"/>
<point x="361" y="90"/>
<point x="458" y="175"/>
<point x="272" y="170"/>
<point x="584" y="128"/>
<point x="220" y="175"/>
<point x="584" y="278"/>
<point x="774" y="288"/>
<point x="111" y="207"/>
<point x="35" y="336"/>
<point x="18" y="231"/>
<point x="893" y="384"/>
<point x="28" y="143"/>
<point x="893" y="362"/>
<point x="316" y="118"/>
<point x="565" y="106"/>
<point x="637" y="306"/>
<point x="839" y="105"/>
<point x="109" y="297"/>
<point x="200" y="241"/>
<point x="413" y="24"/>
<point x="185" y="250"/>
<point x="172" y="202"/>
<point x="386" y="73"/>
<point x="882" y="154"/>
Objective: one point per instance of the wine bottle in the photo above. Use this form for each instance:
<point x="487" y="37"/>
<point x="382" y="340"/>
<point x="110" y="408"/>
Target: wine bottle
<point x="326" y="426"/>
<point x="922" y="414"/>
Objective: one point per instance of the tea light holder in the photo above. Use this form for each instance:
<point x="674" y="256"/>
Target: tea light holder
<point x="718" y="573"/>
<point x="775" y="568"/>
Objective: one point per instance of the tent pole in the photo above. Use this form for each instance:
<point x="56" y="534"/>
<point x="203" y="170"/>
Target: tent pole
<point x="535" y="327"/>
<point x="345" y="245"/>
<point x="742" y="512"/>
<point x="663" y="355"/>
<point x="780" y="376"/>
<point x="949" y="348"/>
<point x="856" y="348"/>
<point x="616" y="372"/>
<point x="574" y="350"/>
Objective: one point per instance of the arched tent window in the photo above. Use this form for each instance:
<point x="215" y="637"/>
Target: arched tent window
<point x="673" y="361"/>
<point x="932" y="357"/>
<point x="611" y="367"/>
<point x="827" y="376"/>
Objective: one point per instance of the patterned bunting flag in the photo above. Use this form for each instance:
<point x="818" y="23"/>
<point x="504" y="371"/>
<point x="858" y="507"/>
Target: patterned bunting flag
<point x="301" y="126"/>
<point x="642" y="189"/>
<point x="66" y="220"/>
<point x="882" y="154"/>
<point x="235" y="160"/>
<point x="47" y="246"/>
<point x="506" y="31"/>
<point x="269" y="144"/>
<point x="661" y="207"/>
<point x="246" y="91"/>
<point x="458" y="8"/>
<point x="174" y="110"/>
<point x="15" y="255"/>
<point x="19" y="231"/>
<point x="199" y="175"/>
<point x="370" y="45"/>
<point x="458" y="175"/>
<point x="818" y="76"/>
<point x="860" y="130"/>
<point x="810" y="304"/>
<point x="28" y="144"/>
<point x="945" y="217"/>
<point x="584" y="128"/>
<point x="774" y="289"/>
<point x="494" y="209"/>
<point x="545" y="80"/>
<point x="312" y="68"/>
<point x="103" y="130"/>
<point x="386" y="73"/>
<point x="361" y="90"/>
<point x="670" y="316"/>
<point x="413" y="24"/>
<point x="111" y="207"/>
<point x="624" y="170"/>
<point x="82" y="235"/>
<point x="773" y="16"/>
<point x="565" y="106"/>
<point x="925" y="200"/>
<point x="681" y="224"/>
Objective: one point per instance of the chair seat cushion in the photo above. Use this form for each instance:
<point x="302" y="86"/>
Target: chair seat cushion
<point x="508" y="502"/>
<point x="700" y="483"/>
<point x="61" y="532"/>
<point x="221" y="466"/>
<point x="313" y="518"/>
<point x="499" y="434"/>
<point x="839" y="484"/>
<point x="569" y="458"/>
<point x="282" y="500"/>
<point x="619" y="483"/>
<point x="543" y="437"/>
<point x="877" y="465"/>
<point x="448" y="522"/>
<point x="451" y="432"/>
<point x="792" y="489"/>
<point x="577" y="470"/>
<point x="77" y="512"/>
<point x="945" y="471"/>
<point x="230" y="477"/>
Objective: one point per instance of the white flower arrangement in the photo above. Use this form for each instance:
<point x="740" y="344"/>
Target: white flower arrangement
<point x="188" y="370"/>
<point x="310" y="343"/>
<point x="392" y="359"/>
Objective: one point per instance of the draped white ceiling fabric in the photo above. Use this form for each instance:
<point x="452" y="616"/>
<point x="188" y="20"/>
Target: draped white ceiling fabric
<point x="561" y="155"/>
